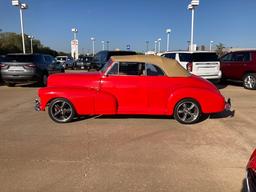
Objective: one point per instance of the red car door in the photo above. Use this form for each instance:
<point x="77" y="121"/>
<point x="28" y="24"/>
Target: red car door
<point x="158" y="89"/>
<point x="124" y="82"/>
<point x="226" y="65"/>
<point x="234" y="64"/>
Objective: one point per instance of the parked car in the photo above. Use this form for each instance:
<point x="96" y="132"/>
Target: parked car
<point x="241" y="66"/>
<point x="66" y="61"/>
<point x="201" y="63"/>
<point x="251" y="173"/>
<point x="1" y="60"/>
<point x="84" y="62"/>
<point x="137" y="84"/>
<point x="28" y="68"/>
<point x="101" y="58"/>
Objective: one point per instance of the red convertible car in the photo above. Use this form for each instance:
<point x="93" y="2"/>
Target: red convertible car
<point x="251" y="173"/>
<point x="131" y="85"/>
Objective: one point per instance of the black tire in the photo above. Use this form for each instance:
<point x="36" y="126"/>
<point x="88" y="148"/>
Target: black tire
<point x="187" y="111"/>
<point x="61" y="110"/>
<point x="10" y="84"/>
<point x="249" y="81"/>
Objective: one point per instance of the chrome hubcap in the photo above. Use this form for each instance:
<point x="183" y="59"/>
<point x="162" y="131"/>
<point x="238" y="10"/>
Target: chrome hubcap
<point x="249" y="81"/>
<point x="188" y="111"/>
<point x="61" y="111"/>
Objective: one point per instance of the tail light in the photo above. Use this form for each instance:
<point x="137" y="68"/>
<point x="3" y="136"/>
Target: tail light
<point x="3" y="66"/>
<point x="189" y="67"/>
<point x="29" y="66"/>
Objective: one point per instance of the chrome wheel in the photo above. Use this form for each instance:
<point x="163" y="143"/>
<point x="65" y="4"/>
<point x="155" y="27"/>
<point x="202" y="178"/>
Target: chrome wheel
<point x="60" y="110"/>
<point x="250" y="81"/>
<point x="187" y="111"/>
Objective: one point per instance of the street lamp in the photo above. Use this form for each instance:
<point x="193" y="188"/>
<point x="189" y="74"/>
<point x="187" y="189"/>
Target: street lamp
<point x="75" y="31"/>
<point x="211" y="42"/>
<point x="107" y="45"/>
<point x="155" y="46"/>
<point x="147" y="42"/>
<point x="168" y="31"/>
<point x="159" y="44"/>
<point x="103" y="45"/>
<point x="191" y="7"/>
<point x="93" y="41"/>
<point x="22" y="6"/>
<point x="31" y="43"/>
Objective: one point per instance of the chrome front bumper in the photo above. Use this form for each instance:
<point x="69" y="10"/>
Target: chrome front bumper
<point x="37" y="105"/>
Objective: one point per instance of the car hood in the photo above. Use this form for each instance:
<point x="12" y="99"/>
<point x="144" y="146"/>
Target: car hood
<point x="86" y="79"/>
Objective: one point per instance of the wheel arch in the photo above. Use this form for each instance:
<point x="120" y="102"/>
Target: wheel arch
<point x="248" y="71"/>
<point x="84" y="100"/>
<point x="174" y="100"/>
<point x="208" y="100"/>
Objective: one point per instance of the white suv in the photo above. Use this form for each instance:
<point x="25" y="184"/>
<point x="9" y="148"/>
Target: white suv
<point x="201" y="63"/>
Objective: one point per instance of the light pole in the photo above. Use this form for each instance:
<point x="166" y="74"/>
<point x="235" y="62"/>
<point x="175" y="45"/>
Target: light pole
<point x="211" y="42"/>
<point x="22" y="6"/>
<point x="192" y="6"/>
<point x="107" y="45"/>
<point x="31" y="43"/>
<point x="103" y="45"/>
<point x="75" y="31"/>
<point x="168" y="31"/>
<point x="147" y="42"/>
<point x="155" y="46"/>
<point x="159" y="45"/>
<point x="93" y="41"/>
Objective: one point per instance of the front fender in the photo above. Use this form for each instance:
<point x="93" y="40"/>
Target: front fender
<point x="85" y="100"/>
<point x="210" y="101"/>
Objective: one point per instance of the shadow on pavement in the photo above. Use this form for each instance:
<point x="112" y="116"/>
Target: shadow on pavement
<point x="224" y="114"/>
<point x="132" y="116"/>
<point x="221" y="115"/>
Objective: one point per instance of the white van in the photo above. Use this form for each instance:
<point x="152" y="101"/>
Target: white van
<point x="201" y="63"/>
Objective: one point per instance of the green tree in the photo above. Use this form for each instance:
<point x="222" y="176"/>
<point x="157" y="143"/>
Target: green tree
<point x="220" y="49"/>
<point x="12" y="43"/>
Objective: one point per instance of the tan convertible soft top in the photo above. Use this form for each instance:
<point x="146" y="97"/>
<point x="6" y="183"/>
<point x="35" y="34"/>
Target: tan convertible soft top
<point x="171" y="67"/>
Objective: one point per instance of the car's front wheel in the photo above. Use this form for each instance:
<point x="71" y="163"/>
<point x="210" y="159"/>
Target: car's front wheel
<point x="249" y="81"/>
<point x="61" y="110"/>
<point x="187" y="111"/>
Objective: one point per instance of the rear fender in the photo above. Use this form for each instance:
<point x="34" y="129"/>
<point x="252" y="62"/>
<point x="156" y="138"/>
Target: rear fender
<point x="210" y="101"/>
<point x="85" y="100"/>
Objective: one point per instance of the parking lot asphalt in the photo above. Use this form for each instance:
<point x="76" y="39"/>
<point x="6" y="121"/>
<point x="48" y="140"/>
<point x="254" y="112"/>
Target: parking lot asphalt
<point x="123" y="153"/>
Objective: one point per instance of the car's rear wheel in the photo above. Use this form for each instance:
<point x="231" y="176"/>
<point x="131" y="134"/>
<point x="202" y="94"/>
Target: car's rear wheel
<point x="187" y="111"/>
<point x="249" y="81"/>
<point x="61" y="110"/>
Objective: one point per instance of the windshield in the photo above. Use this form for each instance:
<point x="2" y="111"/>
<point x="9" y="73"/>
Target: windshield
<point x="105" y="67"/>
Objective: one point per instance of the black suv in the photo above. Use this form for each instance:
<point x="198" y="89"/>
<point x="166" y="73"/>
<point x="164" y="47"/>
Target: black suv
<point x="84" y="62"/>
<point x="28" y="68"/>
<point x="101" y="58"/>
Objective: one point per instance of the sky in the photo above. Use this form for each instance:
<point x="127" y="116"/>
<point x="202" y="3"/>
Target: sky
<point x="133" y="22"/>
